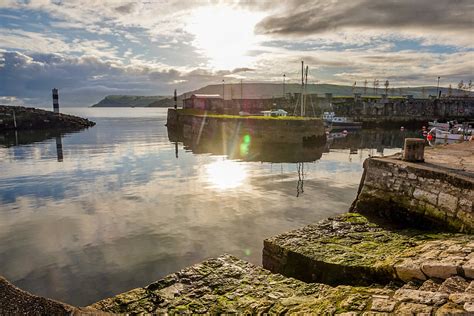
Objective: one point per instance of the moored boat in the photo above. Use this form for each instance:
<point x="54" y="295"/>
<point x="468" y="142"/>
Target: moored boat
<point x="444" y="126"/>
<point x="453" y="134"/>
<point x="338" y="122"/>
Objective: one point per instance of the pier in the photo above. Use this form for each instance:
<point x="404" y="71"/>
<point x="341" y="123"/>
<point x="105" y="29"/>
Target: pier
<point x="261" y="129"/>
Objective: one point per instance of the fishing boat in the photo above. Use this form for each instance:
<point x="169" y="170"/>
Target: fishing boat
<point x="338" y="122"/>
<point x="444" y="126"/>
<point x="463" y="133"/>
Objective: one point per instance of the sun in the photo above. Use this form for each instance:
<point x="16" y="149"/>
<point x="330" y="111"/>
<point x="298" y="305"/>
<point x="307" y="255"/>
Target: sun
<point x="225" y="35"/>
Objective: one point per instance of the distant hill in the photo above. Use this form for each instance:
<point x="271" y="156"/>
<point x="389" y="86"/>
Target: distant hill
<point x="263" y="91"/>
<point x="128" y="101"/>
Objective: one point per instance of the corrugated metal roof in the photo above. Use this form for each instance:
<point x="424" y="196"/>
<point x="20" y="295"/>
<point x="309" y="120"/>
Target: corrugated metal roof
<point x="207" y="96"/>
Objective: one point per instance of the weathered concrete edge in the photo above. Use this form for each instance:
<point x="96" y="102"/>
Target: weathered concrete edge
<point x="428" y="170"/>
<point x="15" y="301"/>
<point x="297" y="265"/>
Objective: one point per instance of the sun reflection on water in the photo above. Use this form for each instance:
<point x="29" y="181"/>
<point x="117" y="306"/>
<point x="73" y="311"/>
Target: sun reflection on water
<point x="226" y="174"/>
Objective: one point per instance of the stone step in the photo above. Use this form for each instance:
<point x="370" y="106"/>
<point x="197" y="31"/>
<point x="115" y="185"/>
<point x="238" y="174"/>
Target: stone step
<point x="451" y="285"/>
<point x="229" y="285"/>
<point x="348" y="249"/>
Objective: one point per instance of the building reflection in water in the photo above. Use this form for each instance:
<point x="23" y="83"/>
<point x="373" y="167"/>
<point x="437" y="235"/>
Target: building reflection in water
<point x="237" y="147"/>
<point x="230" y="173"/>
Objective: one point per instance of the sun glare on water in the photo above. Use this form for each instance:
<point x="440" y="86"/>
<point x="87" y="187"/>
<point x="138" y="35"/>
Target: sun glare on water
<point x="226" y="174"/>
<point x="225" y="35"/>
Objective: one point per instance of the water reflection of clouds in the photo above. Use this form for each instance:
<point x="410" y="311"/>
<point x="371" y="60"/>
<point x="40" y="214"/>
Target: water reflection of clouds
<point x="81" y="171"/>
<point x="121" y="211"/>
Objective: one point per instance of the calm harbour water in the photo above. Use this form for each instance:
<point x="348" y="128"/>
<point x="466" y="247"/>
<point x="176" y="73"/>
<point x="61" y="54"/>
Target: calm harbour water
<point x="116" y="209"/>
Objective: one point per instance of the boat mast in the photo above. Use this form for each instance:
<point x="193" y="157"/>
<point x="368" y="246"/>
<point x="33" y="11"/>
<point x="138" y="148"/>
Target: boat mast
<point x="305" y="92"/>
<point x="302" y="88"/>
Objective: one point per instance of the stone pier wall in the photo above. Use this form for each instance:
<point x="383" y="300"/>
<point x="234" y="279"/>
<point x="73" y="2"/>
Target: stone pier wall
<point x="417" y="193"/>
<point x="261" y="130"/>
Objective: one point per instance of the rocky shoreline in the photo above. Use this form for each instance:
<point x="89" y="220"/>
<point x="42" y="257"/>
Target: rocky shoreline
<point x="24" y="118"/>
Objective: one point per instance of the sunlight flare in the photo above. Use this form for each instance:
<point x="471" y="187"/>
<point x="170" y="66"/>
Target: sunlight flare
<point x="225" y="35"/>
<point x="226" y="174"/>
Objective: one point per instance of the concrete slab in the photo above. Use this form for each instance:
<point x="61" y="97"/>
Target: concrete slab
<point x="348" y="249"/>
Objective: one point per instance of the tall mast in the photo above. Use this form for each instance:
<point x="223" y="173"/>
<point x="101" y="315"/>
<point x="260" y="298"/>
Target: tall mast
<point x="302" y="71"/>
<point x="305" y="87"/>
<point x="302" y="89"/>
<point x="241" y="94"/>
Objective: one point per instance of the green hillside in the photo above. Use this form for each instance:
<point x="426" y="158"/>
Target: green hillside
<point x="128" y="101"/>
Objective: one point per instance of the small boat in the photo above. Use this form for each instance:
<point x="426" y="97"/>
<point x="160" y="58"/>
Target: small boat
<point x="338" y="122"/>
<point x="333" y="136"/>
<point x="459" y="134"/>
<point x="444" y="126"/>
<point x="274" y="113"/>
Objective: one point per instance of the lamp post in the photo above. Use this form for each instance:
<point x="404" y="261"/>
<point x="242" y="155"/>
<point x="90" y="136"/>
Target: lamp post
<point x="284" y="77"/>
<point x="437" y="89"/>
<point x="223" y="90"/>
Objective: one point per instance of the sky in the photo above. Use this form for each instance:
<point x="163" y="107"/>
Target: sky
<point x="92" y="48"/>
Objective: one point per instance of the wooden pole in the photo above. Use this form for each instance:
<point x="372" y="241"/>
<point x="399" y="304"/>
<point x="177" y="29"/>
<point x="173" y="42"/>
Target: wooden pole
<point x="14" y="119"/>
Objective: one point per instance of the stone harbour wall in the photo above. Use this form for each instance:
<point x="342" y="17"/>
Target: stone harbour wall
<point x="260" y="130"/>
<point x="417" y="193"/>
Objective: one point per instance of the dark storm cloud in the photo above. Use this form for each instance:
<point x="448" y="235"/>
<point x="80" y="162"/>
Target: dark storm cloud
<point x="311" y="17"/>
<point x="85" y="80"/>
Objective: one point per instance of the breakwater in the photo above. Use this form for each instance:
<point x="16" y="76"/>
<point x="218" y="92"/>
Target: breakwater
<point x="23" y="118"/>
<point x="260" y="130"/>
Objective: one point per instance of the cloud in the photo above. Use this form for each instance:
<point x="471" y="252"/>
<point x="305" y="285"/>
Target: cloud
<point x="242" y="69"/>
<point x="85" y="80"/>
<point x="303" y="18"/>
<point x="91" y="48"/>
<point x="321" y="16"/>
<point x="126" y="8"/>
